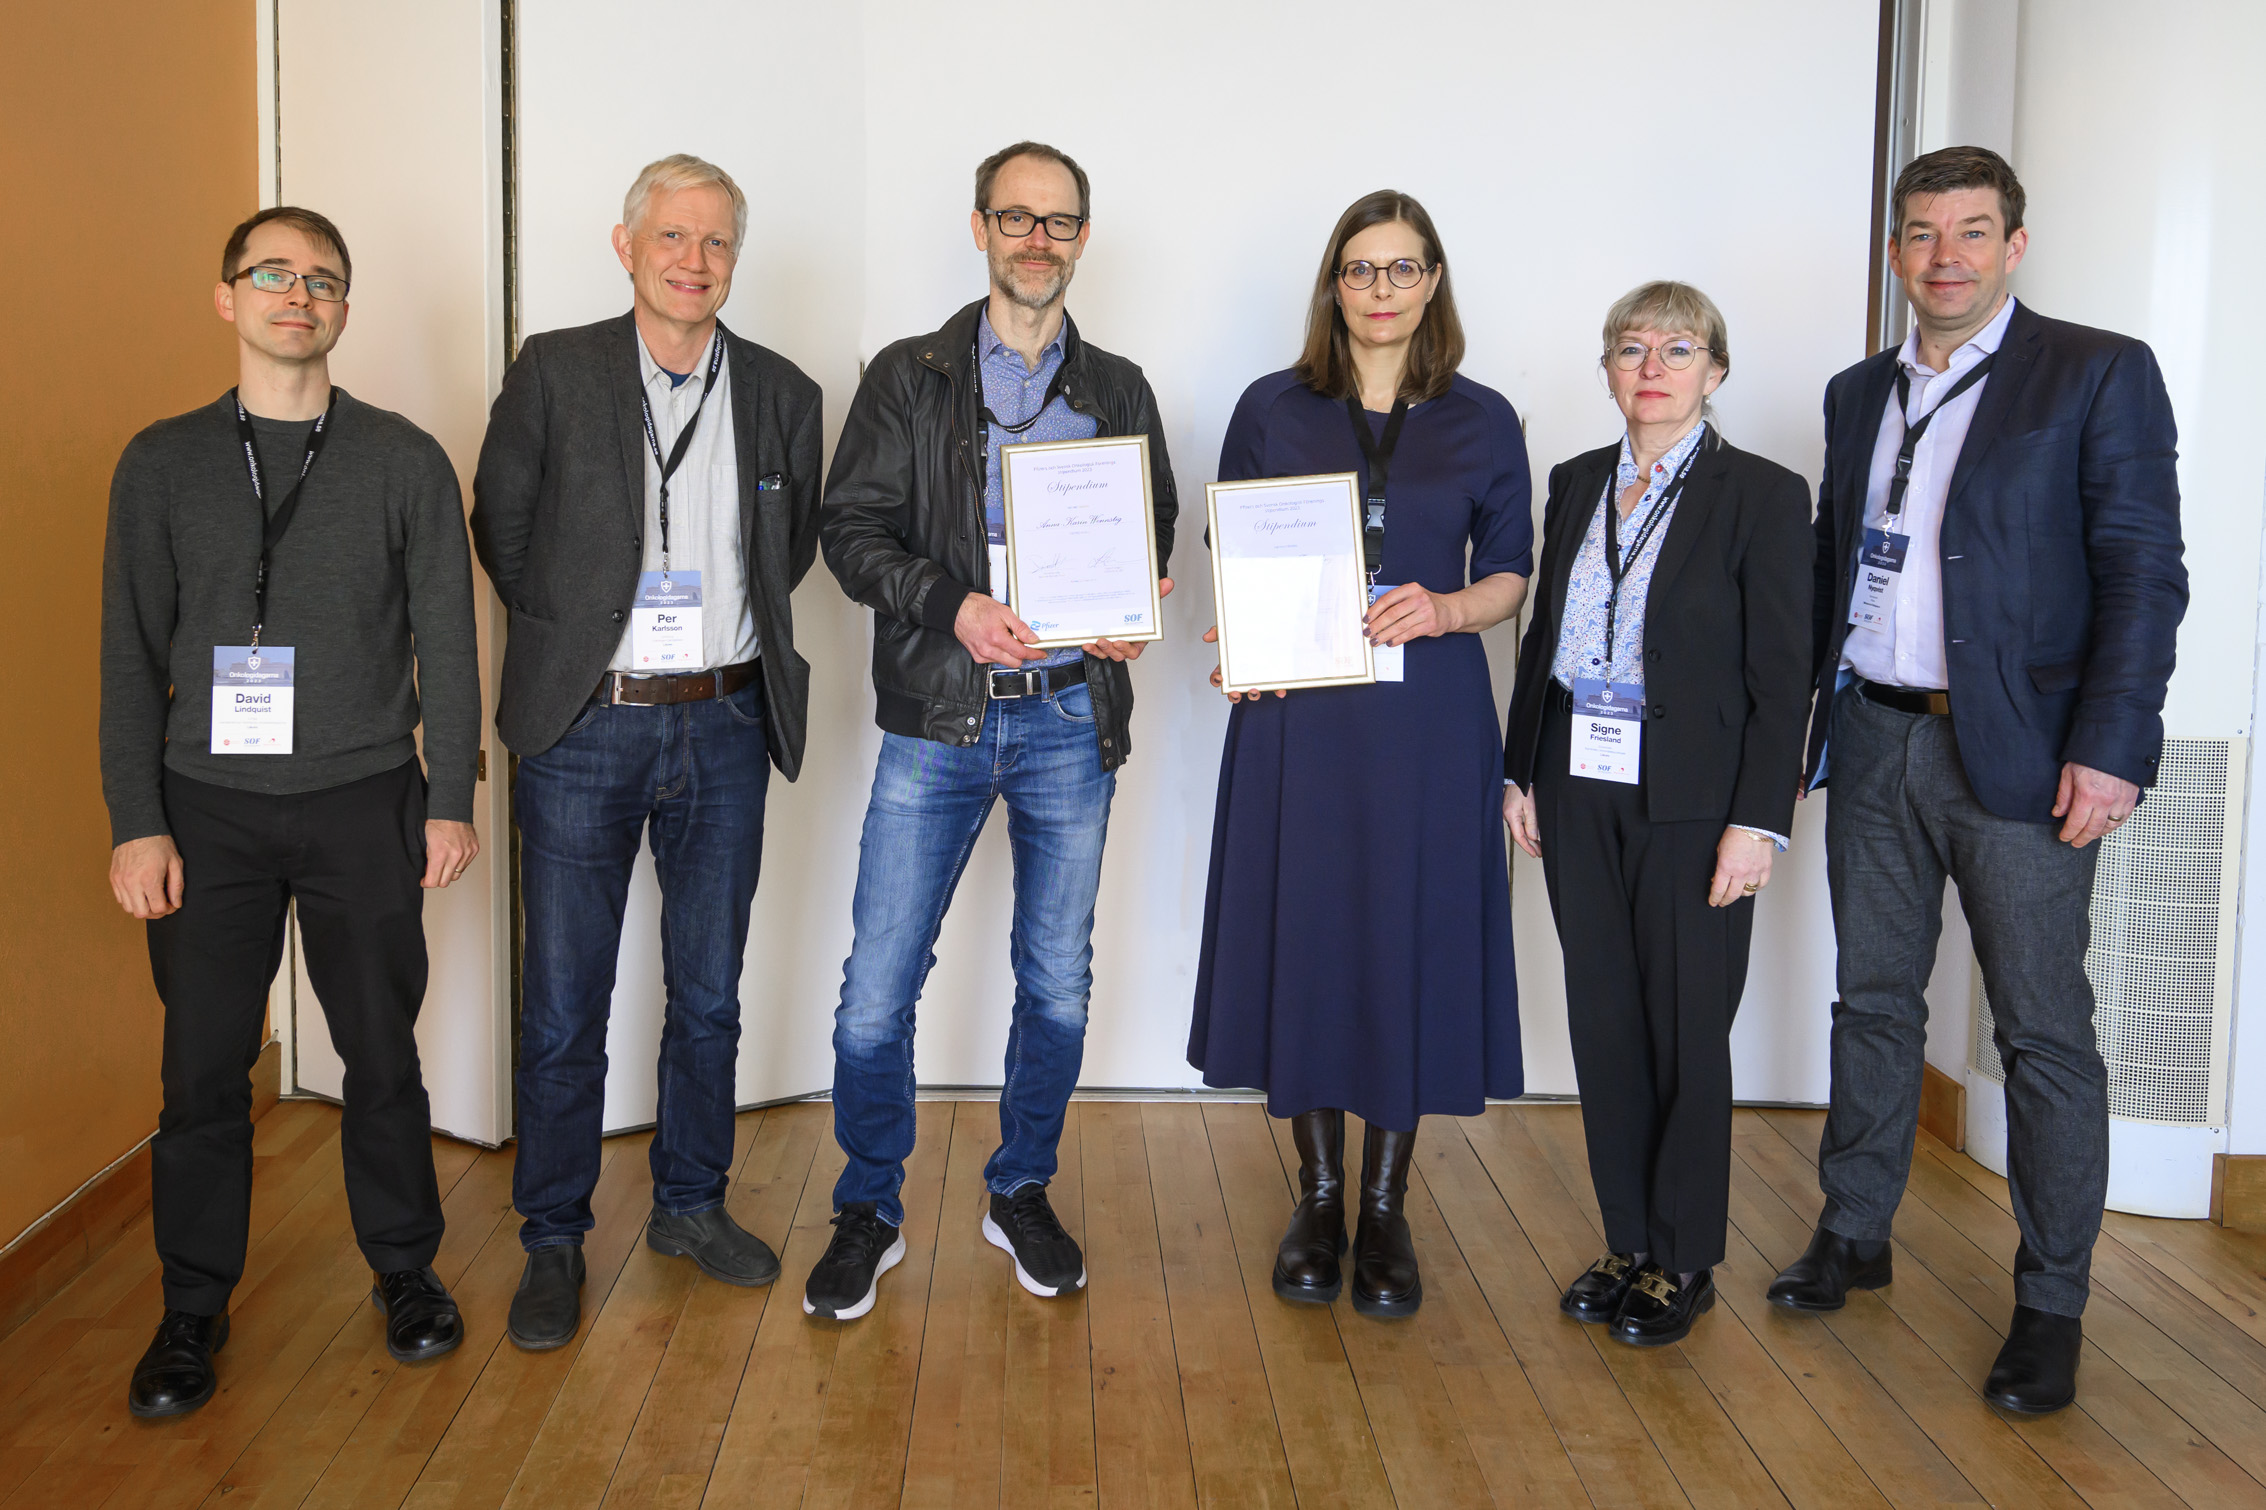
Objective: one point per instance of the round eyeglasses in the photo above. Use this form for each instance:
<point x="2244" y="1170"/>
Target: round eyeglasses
<point x="1403" y="274"/>
<point x="1020" y="223"/>
<point x="1675" y="355"/>
<point x="278" y="280"/>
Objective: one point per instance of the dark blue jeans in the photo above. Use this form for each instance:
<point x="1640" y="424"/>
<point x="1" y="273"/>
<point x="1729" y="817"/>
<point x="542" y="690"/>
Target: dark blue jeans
<point x="695" y="775"/>
<point x="929" y="803"/>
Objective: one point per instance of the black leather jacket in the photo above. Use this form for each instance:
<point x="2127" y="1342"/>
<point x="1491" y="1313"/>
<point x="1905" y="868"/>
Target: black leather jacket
<point x="902" y="525"/>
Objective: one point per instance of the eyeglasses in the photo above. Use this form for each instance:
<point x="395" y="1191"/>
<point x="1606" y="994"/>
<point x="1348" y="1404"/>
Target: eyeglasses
<point x="1404" y="273"/>
<point x="1020" y="223"/>
<point x="1676" y="355"/>
<point x="278" y="280"/>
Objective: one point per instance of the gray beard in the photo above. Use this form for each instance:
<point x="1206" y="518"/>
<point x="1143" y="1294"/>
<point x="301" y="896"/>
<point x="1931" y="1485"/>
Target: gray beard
<point x="1007" y="284"/>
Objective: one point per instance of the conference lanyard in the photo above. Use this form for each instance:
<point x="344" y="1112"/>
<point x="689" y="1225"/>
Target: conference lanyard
<point x="1053" y="392"/>
<point x="1379" y="454"/>
<point x="274" y="525"/>
<point x="1616" y="567"/>
<point x="676" y="454"/>
<point x="1914" y="430"/>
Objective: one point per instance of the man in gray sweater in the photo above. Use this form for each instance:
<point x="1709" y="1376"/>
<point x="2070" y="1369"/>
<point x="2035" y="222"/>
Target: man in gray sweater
<point x="286" y="594"/>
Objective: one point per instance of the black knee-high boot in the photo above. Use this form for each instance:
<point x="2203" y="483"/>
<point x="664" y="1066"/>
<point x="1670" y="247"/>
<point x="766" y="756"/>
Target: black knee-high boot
<point x="1385" y="1281"/>
<point x="1306" y="1266"/>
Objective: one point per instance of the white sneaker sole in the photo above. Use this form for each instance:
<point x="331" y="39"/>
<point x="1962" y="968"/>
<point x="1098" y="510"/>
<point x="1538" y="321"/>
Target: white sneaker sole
<point x="889" y="1260"/>
<point x="998" y="1239"/>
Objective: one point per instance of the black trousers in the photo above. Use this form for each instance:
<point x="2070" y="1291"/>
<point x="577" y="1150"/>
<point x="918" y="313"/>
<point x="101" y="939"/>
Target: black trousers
<point x="1653" y="978"/>
<point x="352" y="856"/>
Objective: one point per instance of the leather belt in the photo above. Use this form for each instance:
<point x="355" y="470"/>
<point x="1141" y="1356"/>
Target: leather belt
<point x="1904" y="699"/>
<point x="617" y="687"/>
<point x="1006" y="686"/>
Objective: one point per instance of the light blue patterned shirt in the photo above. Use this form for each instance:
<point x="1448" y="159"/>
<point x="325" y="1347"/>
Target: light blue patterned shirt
<point x="1581" y="628"/>
<point x="1012" y="391"/>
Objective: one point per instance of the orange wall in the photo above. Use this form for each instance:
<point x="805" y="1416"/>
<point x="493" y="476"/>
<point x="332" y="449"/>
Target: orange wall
<point x="128" y="148"/>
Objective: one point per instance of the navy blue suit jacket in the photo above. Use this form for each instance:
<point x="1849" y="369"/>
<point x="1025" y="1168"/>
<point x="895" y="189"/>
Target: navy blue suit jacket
<point x="2063" y="584"/>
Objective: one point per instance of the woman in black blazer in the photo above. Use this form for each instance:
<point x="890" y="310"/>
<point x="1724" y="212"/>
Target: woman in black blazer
<point x="1654" y="750"/>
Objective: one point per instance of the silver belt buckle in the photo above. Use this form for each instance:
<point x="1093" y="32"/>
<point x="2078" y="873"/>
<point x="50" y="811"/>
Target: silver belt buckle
<point x="1034" y="685"/>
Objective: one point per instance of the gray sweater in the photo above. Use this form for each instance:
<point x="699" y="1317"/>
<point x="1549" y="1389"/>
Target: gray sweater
<point x="372" y="588"/>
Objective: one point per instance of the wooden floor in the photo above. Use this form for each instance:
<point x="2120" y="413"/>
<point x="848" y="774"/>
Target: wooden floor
<point x="1178" y="1378"/>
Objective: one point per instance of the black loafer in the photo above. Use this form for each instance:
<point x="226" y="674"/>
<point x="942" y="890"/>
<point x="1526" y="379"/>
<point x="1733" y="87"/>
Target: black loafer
<point x="1658" y="1310"/>
<point x="422" y="1321"/>
<point x="548" y="1307"/>
<point x="175" y="1374"/>
<point x="2036" y="1371"/>
<point x="722" y="1247"/>
<point x="1596" y="1296"/>
<point x="1832" y="1266"/>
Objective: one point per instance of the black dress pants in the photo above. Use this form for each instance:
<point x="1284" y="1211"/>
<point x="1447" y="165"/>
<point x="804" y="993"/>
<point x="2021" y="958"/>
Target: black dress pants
<point x="352" y="856"/>
<point x="1653" y="978"/>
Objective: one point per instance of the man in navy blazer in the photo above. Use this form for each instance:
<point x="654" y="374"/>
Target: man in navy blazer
<point x="1999" y="589"/>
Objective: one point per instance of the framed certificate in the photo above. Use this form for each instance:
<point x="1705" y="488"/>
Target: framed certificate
<point x="1287" y="577"/>
<point x="1082" y="540"/>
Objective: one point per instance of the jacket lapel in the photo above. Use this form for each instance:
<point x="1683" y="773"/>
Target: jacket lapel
<point x="629" y="420"/>
<point x="1573" y="527"/>
<point x="2017" y="359"/>
<point x="748" y="460"/>
<point x="1692" y="512"/>
<point x="1853" y="467"/>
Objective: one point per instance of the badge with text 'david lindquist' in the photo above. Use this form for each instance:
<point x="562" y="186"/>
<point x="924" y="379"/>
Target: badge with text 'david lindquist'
<point x="252" y="692"/>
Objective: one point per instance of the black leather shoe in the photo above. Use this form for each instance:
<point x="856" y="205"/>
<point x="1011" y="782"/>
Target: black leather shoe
<point x="175" y="1375"/>
<point x="1385" y="1281"/>
<point x="2036" y="1372"/>
<point x="422" y="1320"/>
<point x="1596" y="1296"/>
<point x="1658" y="1310"/>
<point x="722" y="1247"/>
<point x="1306" y="1265"/>
<point x="548" y="1307"/>
<point x="1832" y="1266"/>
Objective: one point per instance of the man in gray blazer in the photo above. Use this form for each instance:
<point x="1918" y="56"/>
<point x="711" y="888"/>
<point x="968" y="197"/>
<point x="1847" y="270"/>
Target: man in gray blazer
<point x="646" y="501"/>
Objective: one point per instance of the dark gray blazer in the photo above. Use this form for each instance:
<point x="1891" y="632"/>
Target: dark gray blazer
<point x="558" y="517"/>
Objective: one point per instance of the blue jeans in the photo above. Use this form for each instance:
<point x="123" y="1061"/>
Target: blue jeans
<point x="930" y="801"/>
<point x="696" y="775"/>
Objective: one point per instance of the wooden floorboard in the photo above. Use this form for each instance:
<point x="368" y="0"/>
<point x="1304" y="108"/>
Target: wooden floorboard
<point x="1176" y="1377"/>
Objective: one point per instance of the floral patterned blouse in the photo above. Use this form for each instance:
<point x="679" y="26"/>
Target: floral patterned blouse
<point x="1581" y="628"/>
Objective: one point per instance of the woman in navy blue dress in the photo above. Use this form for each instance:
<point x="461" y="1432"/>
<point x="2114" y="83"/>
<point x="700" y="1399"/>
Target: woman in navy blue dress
<point x="1357" y="924"/>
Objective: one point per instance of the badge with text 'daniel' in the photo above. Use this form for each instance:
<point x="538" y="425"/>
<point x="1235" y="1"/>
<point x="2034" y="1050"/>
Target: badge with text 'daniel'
<point x="252" y="691"/>
<point x="1608" y="731"/>
<point x="1880" y="565"/>
<point x="664" y="627"/>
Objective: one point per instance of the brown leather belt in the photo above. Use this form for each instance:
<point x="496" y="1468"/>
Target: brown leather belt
<point x="680" y="687"/>
<point x="1904" y="699"/>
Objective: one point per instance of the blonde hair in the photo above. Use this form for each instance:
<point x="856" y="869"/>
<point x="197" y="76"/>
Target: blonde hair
<point x="1667" y="305"/>
<point x="681" y="170"/>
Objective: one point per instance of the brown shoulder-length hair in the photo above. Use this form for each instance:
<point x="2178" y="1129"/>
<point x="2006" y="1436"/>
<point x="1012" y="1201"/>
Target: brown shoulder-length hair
<point x="1435" y="351"/>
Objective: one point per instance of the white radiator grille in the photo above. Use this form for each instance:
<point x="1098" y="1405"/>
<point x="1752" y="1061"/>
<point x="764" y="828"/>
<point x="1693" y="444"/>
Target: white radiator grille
<point x="2162" y="957"/>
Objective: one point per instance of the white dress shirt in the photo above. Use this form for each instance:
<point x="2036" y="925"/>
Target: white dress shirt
<point x="1907" y="651"/>
<point x="704" y="507"/>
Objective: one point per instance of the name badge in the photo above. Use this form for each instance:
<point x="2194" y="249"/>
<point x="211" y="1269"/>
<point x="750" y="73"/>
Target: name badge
<point x="1880" y="563"/>
<point x="664" y="627"/>
<point x="252" y="692"/>
<point x="1608" y="731"/>
<point x="1389" y="660"/>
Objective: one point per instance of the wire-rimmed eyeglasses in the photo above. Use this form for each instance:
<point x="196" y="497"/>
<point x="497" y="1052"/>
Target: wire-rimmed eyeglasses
<point x="278" y="280"/>
<point x="1403" y="273"/>
<point x="1020" y="223"/>
<point x="1676" y="355"/>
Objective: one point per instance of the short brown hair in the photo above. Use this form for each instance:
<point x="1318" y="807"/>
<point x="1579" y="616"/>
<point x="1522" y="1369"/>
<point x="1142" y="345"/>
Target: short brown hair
<point x="1435" y="351"/>
<point x="1951" y="168"/>
<point x="317" y="226"/>
<point x="988" y="170"/>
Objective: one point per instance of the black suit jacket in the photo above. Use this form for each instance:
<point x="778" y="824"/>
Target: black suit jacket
<point x="558" y="517"/>
<point x="1724" y="622"/>
<point x="2063" y="584"/>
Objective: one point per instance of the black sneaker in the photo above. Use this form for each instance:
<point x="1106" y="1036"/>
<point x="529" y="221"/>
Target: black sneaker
<point x="1047" y="1260"/>
<point x="843" y="1281"/>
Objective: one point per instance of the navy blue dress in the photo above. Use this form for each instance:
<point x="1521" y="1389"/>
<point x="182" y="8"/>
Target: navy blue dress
<point x="1357" y="924"/>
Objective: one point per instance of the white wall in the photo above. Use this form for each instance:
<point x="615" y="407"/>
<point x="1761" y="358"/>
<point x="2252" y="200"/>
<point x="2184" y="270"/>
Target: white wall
<point x="1222" y="141"/>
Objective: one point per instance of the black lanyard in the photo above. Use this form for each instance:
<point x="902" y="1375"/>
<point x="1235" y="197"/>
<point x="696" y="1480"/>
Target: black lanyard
<point x="274" y="525"/>
<point x="1053" y="392"/>
<point x="1913" y="431"/>
<point x="684" y="437"/>
<point x="1616" y="569"/>
<point x="1379" y="454"/>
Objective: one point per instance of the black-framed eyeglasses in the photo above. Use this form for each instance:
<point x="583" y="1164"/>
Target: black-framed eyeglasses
<point x="1402" y="274"/>
<point x="1675" y="355"/>
<point x="278" y="280"/>
<point x="1020" y="223"/>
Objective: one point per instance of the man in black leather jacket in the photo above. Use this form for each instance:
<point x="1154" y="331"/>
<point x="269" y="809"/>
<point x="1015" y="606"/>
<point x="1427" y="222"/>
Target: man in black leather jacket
<point x="912" y="525"/>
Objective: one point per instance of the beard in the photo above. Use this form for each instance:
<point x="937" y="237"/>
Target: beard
<point x="1031" y="290"/>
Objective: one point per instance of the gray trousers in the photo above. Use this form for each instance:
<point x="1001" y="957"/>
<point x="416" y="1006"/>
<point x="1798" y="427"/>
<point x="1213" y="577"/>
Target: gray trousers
<point x="1901" y="818"/>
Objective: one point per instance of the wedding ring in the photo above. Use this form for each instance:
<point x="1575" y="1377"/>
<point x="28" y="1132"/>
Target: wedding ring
<point x="1751" y="888"/>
